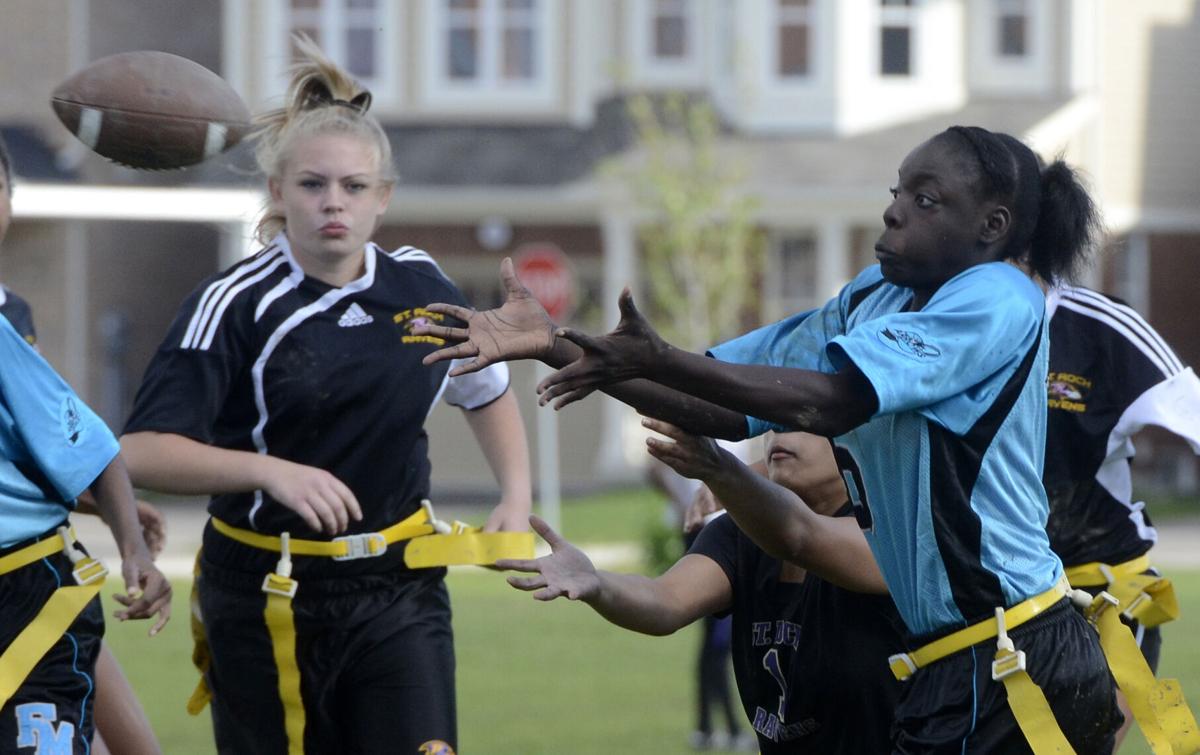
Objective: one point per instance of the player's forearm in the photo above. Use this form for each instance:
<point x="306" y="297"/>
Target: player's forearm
<point x="780" y="523"/>
<point x="637" y="603"/>
<point x="500" y="432"/>
<point x="653" y="400"/>
<point x="112" y="495"/>
<point x="172" y="463"/>
<point x="825" y="404"/>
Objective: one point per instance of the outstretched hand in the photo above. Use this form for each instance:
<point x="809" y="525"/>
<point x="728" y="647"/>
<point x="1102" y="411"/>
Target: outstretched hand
<point x="690" y="455"/>
<point x="567" y="571"/>
<point x="629" y="351"/>
<point x="519" y="329"/>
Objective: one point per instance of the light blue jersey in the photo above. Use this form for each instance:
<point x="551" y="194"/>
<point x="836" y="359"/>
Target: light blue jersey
<point x="946" y="477"/>
<point x="52" y="446"/>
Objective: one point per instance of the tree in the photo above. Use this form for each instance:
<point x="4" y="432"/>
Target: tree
<point x="702" y="250"/>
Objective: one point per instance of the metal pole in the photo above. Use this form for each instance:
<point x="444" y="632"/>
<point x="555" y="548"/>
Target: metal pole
<point x="549" y="499"/>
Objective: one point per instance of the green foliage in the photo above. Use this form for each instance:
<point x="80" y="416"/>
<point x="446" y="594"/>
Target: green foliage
<point x="702" y="249"/>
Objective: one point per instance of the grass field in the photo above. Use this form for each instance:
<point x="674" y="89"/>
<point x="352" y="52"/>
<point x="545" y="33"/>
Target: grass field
<point x="538" y="678"/>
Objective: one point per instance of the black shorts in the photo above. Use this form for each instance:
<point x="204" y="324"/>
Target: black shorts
<point x="53" y="706"/>
<point x="954" y="706"/>
<point x="376" y="660"/>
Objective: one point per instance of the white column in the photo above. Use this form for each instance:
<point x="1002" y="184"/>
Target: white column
<point x="833" y="258"/>
<point x="237" y="243"/>
<point x="620" y="270"/>
<point x="77" y="338"/>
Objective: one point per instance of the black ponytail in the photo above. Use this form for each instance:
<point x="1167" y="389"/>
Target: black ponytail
<point x="1068" y="227"/>
<point x="1054" y="222"/>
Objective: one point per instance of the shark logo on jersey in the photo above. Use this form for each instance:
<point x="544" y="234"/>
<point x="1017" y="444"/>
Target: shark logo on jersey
<point x="910" y="343"/>
<point x="435" y="747"/>
<point x="354" y="316"/>
<point x="36" y="729"/>
<point x="1067" y="391"/>
<point x="71" y="420"/>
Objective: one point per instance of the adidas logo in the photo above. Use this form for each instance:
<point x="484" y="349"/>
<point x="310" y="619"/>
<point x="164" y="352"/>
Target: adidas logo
<point x="354" y="315"/>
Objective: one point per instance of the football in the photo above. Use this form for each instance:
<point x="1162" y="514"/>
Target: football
<point x="151" y="110"/>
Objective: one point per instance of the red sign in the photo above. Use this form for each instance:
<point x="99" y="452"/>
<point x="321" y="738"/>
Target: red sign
<point x="548" y="275"/>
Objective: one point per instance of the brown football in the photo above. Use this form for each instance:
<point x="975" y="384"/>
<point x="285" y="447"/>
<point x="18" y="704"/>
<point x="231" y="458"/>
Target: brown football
<point x="151" y="110"/>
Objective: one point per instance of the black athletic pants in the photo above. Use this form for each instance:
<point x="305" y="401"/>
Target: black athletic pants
<point x="376" y="660"/>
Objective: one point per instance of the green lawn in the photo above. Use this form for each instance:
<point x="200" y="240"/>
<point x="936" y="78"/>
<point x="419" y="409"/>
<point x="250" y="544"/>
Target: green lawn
<point x="547" y="678"/>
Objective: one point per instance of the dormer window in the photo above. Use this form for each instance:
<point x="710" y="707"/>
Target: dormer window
<point x="795" y="37"/>
<point x="672" y="24"/>
<point x="895" y="37"/>
<point x="347" y="30"/>
<point x="1012" y="28"/>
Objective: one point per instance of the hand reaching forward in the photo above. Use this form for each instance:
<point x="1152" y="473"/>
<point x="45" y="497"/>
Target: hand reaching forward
<point x="690" y="455"/>
<point x="519" y="329"/>
<point x="567" y="571"/>
<point x="629" y="351"/>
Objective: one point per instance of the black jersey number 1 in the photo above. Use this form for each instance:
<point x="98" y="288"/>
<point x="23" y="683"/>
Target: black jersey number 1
<point x="852" y="476"/>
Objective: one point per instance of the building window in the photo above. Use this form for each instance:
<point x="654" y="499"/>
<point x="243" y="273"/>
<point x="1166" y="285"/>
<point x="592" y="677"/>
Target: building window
<point x="671" y="22"/>
<point x="895" y="37"/>
<point x="795" y="25"/>
<point x="491" y="42"/>
<point x="1012" y="28"/>
<point x="795" y="273"/>
<point x="347" y="30"/>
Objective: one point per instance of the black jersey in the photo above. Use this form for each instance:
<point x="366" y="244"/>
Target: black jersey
<point x="810" y="658"/>
<point x="262" y="358"/>
<point x="1111" y="375"/>
<point x="18" y="313"/>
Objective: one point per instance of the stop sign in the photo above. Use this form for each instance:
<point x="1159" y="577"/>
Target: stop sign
<point x="548" y="275"/>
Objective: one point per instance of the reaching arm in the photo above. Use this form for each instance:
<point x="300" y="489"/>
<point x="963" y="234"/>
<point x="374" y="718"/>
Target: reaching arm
<point x="147" y="591"/>
<point x="775" y="518"/>
<point x="818" y="402"/>
<point x="177" y="464"/>
<point x="521" y="329"/>
<point x="695" y="586"/>
<point x="501" y="435"/>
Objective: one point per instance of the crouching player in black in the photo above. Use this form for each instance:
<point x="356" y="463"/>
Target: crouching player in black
<point x="808" y="649"/>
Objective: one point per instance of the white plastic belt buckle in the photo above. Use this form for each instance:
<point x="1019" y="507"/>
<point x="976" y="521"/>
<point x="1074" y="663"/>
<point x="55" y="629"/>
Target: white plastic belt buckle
<point x="89" y="570"/>
<point x="284" y="586"/>
<point x="907" y="660"/>
<point x="1008" y="665"/>
<point x="362" y="545"/>
<point x="1141" y="598"/>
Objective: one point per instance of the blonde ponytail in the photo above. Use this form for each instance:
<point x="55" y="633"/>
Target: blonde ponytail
<point x="321" y="99"/>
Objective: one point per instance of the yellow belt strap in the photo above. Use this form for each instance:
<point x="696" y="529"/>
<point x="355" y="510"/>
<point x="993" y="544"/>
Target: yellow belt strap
<point x="1148" y="599"/>
<point x="282" y="627"/>
<point x="1096" y="574"/>
<point x="201" y="658"/>
<point x="54" y="618"/>
<point x="905" y="665"/>
<point x="1029" y="705"/>
<point x="1157" y="705"/>
<point x="468" y="547"/>
<point x="350" y="546"/>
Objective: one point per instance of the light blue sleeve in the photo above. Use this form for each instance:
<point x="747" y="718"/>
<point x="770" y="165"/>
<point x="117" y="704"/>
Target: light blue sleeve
<point x="950" y="359"/>
<point x="64" y="438"/>
<point x="797" y="341"/>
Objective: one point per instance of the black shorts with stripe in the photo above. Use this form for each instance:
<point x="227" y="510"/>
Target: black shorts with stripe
<point x="954" y="706"/>
<point x="375" y="655"/>
<point x="51" y="711"/>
